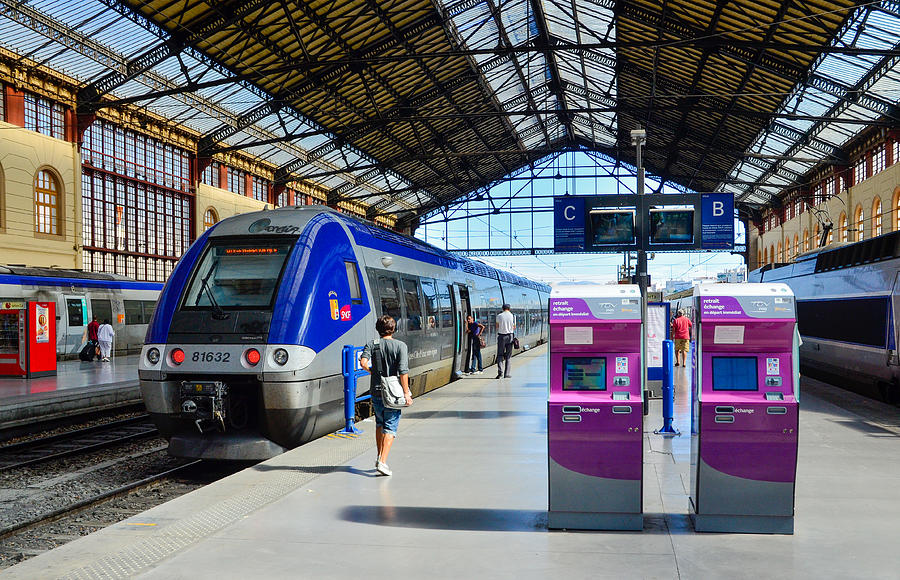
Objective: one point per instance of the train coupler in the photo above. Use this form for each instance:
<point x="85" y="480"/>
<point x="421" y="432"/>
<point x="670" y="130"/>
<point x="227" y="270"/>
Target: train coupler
<point x="204" y="404"/>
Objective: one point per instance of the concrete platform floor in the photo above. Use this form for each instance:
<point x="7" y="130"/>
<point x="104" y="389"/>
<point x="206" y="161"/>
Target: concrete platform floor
<point x="468" y="499"/>
<point x="77" y="387"/>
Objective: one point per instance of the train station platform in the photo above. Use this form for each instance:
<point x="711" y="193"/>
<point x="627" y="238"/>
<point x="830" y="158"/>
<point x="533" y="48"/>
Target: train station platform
<point x="78" y="387"/>
<point x="468" y="499"/>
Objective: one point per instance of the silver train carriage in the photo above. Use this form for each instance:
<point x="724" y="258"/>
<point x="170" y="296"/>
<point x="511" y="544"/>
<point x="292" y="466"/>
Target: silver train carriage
<point x="243" y="356"/>
<point x="79" y="296"/>
<point x="847" y="299"/>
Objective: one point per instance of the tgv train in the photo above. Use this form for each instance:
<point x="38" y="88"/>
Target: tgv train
<point x="847" y="300"/>
<point x="79" y="296"/>
<point x="243" y="356"/>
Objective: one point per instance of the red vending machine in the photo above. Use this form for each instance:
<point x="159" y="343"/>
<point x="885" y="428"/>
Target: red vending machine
<point x="27" y="339"/>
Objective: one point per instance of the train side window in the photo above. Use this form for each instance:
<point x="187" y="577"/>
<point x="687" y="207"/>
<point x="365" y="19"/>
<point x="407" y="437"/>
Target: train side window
<point x="390" y="297"/>
<point x="75" y="311"/>
<point x="133" y="312"/>
<point x="413" y="304"/>
<point x="149" y="309"/>
<point x="353" y="282"/>
<point x="446" y="315"/>
<point x="102" y="309"/>
<point x="431" y="302"/>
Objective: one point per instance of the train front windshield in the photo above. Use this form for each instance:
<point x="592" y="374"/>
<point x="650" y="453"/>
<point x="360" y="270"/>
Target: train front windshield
<point x="235" y="275"/>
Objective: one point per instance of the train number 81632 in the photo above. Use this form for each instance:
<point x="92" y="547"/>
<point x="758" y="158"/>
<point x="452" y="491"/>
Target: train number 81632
<point x="203" y="356"/>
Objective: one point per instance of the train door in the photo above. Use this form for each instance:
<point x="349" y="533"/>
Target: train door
<point x="461" y="308"/>
<point x="893" y="358"/>
<point x="75" y="319"/>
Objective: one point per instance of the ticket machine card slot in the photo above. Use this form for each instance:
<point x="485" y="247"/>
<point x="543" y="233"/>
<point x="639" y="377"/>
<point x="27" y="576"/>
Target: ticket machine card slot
<point x="773" y="381"/>
<point x="777" y="411"/>
<point x="571" y="418"/>
<point x="774" y="396"/>
<point x="571" y="409"/>
<point x="724" y="409"/>
<point x="621" y="396"/>
<point x="724" y="419"/>
<point x="621" y="409"/>
<point x="621" y="381"/>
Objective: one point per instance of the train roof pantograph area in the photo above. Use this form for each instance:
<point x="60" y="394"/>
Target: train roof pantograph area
<point x="406" y="106"/>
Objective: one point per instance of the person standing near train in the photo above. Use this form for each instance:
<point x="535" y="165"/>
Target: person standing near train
<point x="92" y="328"/>
<point x="474" y="330"/>
<point x="681" y="334"/>
<point x="105" y="334"/>
<point x="394" y="359"/>
<point x="506" y="328"/>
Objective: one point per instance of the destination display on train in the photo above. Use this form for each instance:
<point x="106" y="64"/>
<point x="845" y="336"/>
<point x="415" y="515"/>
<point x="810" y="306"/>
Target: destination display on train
<point x="251" y="251"/>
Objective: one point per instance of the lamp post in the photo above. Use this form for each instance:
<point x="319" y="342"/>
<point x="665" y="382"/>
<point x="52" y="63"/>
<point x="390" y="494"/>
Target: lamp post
<point x="638" y="138"/>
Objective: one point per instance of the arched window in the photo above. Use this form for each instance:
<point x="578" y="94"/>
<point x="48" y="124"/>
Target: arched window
<point x="876" y="217"/>
<point x="765" y="256"/>
<point x="209" y="219"/>
<point x="797" y="249"/>
<point x="858" y="222"/>
<point x="842" y="228"/>
<point x="46" y="204"/>
<point x="759" y="258"/>
<point x="896" y="206"/>
<point x="805" y="240"/>
<point x="815" y="236"/>
<point x="779" y="257"/>
<point x="830" y="237"/>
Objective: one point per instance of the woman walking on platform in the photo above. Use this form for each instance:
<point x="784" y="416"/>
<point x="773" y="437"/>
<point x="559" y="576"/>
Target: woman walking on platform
<point x="105" y="334"/>
<point x="393" y="357"/>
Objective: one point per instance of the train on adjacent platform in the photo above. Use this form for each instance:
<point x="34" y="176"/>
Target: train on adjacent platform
<point x="848" y="296"/>
<point x="79" y="296"/>
<point x="243" y="356"/>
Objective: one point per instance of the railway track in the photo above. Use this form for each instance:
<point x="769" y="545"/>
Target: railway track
<point x="77" y="442"/>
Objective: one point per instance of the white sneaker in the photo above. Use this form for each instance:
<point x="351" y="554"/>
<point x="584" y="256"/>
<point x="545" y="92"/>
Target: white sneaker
<point x="382" y="468"/>
<point x="478" y="372"/>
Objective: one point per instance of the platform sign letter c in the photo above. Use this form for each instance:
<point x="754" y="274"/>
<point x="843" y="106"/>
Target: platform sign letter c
<point x="718" y="208"/>
<point x="566" y="212"/>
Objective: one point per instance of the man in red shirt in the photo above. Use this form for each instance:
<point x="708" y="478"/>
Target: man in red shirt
<point x="681" y="334"/>
<point x="93" y="328"/>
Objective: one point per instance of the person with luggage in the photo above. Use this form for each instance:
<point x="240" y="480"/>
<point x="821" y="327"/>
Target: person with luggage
<point x="92" y="329"/>
<point x="474" y="331"/>
<point x="91" y="348"/>
<point x="105" y="335"/>
<point x="393" y="359"/>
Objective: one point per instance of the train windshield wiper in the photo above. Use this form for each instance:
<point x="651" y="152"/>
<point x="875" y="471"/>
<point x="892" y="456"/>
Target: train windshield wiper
<point x="218" y="312"/>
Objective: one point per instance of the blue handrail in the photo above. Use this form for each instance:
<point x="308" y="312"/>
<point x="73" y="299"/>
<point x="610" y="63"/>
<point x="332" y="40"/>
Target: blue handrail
<point x="351" y="371"/>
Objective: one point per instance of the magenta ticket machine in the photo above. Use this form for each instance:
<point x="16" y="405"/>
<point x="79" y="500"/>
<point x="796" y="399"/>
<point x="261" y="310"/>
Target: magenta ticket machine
<point x="744" y="415"/>
<point x="594" y="412"/>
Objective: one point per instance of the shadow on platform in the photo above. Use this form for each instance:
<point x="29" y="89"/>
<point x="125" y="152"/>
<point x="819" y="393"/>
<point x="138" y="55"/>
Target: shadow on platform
<point x="434" y="518"/>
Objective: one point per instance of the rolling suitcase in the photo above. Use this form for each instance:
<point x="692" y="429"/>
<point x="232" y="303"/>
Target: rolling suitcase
<point x="87" y="353"/>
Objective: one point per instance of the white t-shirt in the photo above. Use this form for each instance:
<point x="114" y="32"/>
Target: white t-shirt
<point x="105" y="333"/>
<point x="506" y="322"/>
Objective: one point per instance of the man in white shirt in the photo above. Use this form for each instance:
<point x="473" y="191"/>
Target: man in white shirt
<point x="506" y="327"/>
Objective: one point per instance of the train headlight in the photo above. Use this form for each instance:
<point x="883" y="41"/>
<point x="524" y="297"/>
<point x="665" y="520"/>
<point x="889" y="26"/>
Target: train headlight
<point x="153" y="356"/>
<point x="177" y="356"/>
<point x="252" y="357"/>
<point x="281" y="356"/>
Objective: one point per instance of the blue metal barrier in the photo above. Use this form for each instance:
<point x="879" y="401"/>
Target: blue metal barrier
<point x="668" y="389"/>
<point x="351" y="372"/>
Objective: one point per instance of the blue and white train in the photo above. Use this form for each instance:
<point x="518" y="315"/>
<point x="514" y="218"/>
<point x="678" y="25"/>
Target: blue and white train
<point x="847" y="300"/>
<point x="79" y="296"/>
<point x="243" y="356"/>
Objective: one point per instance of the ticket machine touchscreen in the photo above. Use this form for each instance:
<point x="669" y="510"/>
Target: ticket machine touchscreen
<point x="734" y="373"/>
<point x="584" y="374"/>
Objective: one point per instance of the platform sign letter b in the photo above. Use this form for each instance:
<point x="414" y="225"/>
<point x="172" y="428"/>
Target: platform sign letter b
<point x="717" y="221"/>
<point x="718" y="208"/>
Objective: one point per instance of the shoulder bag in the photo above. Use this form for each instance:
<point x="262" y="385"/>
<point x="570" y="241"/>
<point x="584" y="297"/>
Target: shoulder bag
<point x="391" y="389"/>
<point x="516" y="342"/>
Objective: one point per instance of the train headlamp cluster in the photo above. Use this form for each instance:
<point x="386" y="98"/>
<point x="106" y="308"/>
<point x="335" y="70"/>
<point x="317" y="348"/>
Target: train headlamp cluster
<point x="153" y="356"/>
<point x="178" y="356"/>
<point x="252" y="356"/>
<point x="280" y="356"/>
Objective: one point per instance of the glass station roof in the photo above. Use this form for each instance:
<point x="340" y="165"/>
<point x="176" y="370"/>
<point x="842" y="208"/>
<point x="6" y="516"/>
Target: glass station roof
<point x="408" y="105"/>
